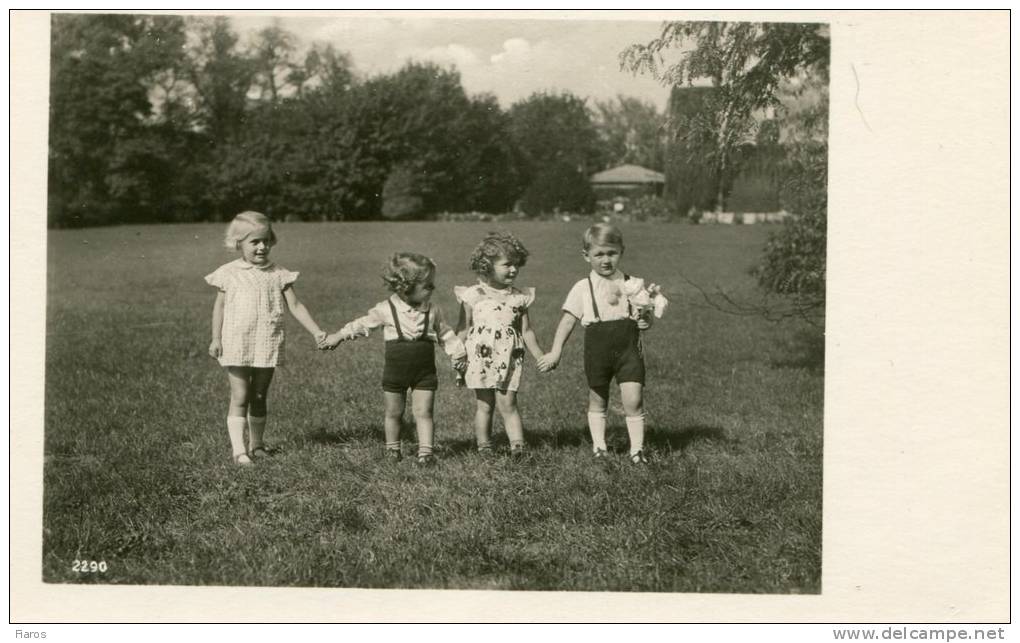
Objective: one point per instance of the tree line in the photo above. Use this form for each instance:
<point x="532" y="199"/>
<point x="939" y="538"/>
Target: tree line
<point x="172" y="119"/>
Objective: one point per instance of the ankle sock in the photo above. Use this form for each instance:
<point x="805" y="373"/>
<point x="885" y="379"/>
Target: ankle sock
<point x="597" y="427"/>
<point x="393" y="446"/>
<point x="636" y="431"/>
<point x="424" y="449"/>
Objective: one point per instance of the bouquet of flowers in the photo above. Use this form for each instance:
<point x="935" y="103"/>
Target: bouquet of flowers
<point x="644" y="299"/>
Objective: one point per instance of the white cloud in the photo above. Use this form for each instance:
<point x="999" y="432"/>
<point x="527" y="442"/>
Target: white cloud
<point x="453" y="54"/>
<point x="508" y="58"/>
<point x="513" y="49"/>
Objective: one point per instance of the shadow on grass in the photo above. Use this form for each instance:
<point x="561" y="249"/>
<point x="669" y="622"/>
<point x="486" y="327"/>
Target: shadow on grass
<point x="658" y="439"/>
<point x="679" y="440"/>
<point x="322" y="435"/>
<point x="806" y="350"/>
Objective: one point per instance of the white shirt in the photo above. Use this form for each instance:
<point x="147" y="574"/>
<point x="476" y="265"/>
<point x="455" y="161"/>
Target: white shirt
<point x="412" y="322"/>
<point x="609" y="297"/>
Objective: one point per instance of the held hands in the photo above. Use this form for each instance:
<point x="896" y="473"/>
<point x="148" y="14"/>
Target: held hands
<point x="460" y="366"/>
<point x="215" y="348"/>
<point x="330" y="342"/>
<point x="548" y="362"/>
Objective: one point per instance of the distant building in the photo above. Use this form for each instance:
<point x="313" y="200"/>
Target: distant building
<point x="631" y="181"/>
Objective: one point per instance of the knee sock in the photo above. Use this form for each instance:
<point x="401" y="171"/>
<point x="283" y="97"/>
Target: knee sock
<point x="256" y="431"/>
<point x="597" y="427"/>
<point x="235" y="429"/>
<point x="636" y="430"/>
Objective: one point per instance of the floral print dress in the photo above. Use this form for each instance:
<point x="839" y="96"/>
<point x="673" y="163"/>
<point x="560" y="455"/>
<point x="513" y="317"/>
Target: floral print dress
<point x="495" y="346"/>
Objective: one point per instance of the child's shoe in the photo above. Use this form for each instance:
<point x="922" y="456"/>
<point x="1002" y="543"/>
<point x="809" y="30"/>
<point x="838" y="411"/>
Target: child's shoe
<point x="485" y="452"/>
<point x="242" y="459"/>
<point x="600" y="455"/>
<point x="394" y="455"/>
<point x="517" y="453"/>
<point x="426" y="460"/>
<point x="638" y="458"/>
<point x="262" y="451"/>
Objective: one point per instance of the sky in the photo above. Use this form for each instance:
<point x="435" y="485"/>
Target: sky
<point x="510" y="58"/>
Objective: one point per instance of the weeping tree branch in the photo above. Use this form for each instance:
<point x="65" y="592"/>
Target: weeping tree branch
<point x="770" y="308"/>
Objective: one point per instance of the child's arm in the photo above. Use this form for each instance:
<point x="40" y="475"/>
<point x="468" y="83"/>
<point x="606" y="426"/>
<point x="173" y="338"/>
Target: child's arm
<point x="216" y="345"/>
<point x="452" y="344"/>
<point x="302" y="315"/>
<point x="353" y="329"/>
<point x="566" y="326"/>
<point x="530" y="340"/>
<point x="464" y="322"/>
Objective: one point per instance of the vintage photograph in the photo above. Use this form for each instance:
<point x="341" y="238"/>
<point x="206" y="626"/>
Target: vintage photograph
<point x="436" y="302"/>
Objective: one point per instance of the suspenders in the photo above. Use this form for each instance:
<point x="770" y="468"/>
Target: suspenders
<point x="400" y="333"/>
<point x="594" y="306"/>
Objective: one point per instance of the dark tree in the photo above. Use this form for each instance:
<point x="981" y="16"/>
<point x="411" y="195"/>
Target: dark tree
<point x="559" y="148"/>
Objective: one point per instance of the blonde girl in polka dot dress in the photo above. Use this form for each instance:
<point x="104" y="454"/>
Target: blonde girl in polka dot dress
<point x="247" y="327"/>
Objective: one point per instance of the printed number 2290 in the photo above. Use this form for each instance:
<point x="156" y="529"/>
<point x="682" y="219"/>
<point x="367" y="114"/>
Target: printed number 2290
<point x="88" y="566"/>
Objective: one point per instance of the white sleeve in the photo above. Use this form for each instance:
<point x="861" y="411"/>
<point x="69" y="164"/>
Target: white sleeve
<point x="574" y="303"/>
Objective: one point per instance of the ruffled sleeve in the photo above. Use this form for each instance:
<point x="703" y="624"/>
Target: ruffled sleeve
<point x="466" y="294"/>
<point x="218" y="277"/>
<point x="287" y="277"/>
<point x="527" y="297"/>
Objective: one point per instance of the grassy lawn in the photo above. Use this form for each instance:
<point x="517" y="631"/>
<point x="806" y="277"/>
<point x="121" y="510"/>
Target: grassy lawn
<point x="137" y="470"/>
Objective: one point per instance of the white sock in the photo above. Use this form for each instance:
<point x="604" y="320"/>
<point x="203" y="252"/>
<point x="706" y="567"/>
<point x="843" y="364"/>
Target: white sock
<point x="235" y="429"/>
<point x="257" y="429"/>
<point x="636" y="431"/>
<point x="597" y="427"/>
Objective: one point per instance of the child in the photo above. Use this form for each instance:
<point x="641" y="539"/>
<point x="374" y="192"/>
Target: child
<point x="411" y="328"/>
<point x="247" y="327"/>
<point x="495" y="326"/>
<point x="613" y="307"/>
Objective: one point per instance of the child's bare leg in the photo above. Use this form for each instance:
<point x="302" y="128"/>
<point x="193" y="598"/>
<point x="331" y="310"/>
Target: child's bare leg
<point x="261" y="378"/>
<point x="237" y="413"/>
<point x="598" y="401"/>
<point x="393" y="419"/>
<point x="632" y="396"/>
<point x="485" y="399"/>
<point x="421" y="408"/>
<point x="506" y="402"/>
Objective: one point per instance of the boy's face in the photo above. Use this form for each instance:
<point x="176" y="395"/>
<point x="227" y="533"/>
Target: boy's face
<point x="421" y="292"/>
<point x="604" y="259"/>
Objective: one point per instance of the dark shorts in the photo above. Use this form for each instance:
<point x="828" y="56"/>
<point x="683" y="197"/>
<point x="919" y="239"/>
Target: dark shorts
<point x="409" y="365"/>
<point x="613" y="349"/>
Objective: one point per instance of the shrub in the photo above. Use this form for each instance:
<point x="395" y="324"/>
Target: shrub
<point x="557" y="188"/>
<point x="400" y="195"/>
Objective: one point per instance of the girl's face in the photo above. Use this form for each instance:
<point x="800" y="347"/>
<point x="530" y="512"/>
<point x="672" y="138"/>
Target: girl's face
<point x="604" y="259"/>
<point x="503" y="272"/>
<point x="256" y="246"/>
<point x="421" y="292"/>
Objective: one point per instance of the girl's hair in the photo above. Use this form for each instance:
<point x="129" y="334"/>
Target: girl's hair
<point x="405" y="269"/>
<point x="246" y="223"/>
<point x="495" y="245"/>
<point x="602" y="234"/>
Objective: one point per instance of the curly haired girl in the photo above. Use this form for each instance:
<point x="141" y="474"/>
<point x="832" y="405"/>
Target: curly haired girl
<point x="496" y="330"/>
